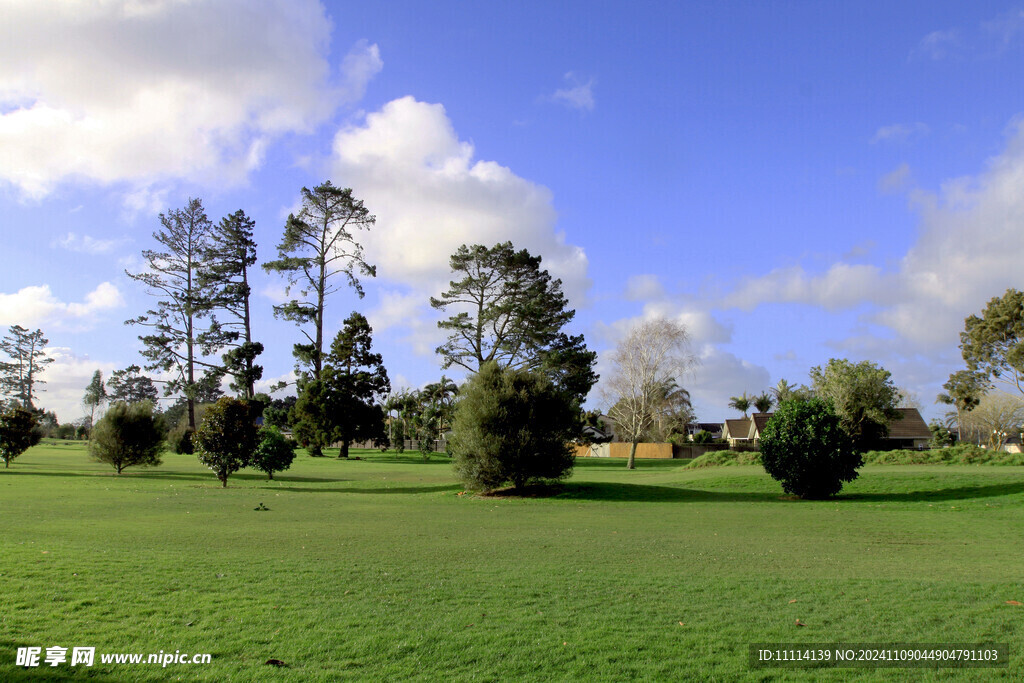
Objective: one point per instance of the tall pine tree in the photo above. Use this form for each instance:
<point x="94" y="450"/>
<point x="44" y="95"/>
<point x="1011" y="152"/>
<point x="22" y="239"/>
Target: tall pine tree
<point x="319" y="246"/>
<point x="183" y="335"/>
<point x="19" y="377"/>
<point x="232" y="251"/>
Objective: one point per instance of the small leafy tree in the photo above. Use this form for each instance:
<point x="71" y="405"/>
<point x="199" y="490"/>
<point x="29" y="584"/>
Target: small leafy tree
<point x="226" y="439"/>
<point x="128" y="435"/>
<point x="863" y="396"/>
<point x="274" y="453"/>
<point x="95" y="395"/>
<point x="805" y="447"/>
<point x="17" y="433"/>
<point x="512" y="426"/>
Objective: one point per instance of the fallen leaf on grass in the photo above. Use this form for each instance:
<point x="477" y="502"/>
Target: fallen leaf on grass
<point x="792" y="601"/>
<point x="1014" y="603"/>
<point x="682" y="624"/>
<point x="800" y="623"/>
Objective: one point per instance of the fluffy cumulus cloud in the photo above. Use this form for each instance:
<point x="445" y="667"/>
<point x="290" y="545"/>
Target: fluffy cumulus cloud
<point x="37" y="306"/>
<point x="65" y="381"/>
<point x="970" y="239"/>
<point x="430" y="196"/>
<point x="141" y="91"/>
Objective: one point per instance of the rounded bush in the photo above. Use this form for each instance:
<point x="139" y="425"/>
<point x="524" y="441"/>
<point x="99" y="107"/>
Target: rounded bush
<point x="128" y="435"/>
<point x="804" y="447"/>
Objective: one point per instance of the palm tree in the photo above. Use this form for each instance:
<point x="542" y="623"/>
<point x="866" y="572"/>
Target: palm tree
<point x="741" y="403"/>
<point x="763" y="403"/>
<point x="675" y="409"/>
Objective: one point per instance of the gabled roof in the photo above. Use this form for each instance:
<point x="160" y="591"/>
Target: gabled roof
<point x="759" y="420"/>
<point x="738" y="428"/>
<point x="909" y="425"/>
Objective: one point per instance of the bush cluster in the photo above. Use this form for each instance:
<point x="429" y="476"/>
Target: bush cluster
<point x="961" y="454"/>
<point x="805" y="448"/>
<point x="511" y="426"/>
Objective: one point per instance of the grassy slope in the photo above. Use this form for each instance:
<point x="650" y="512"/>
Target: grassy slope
<point x="376" y="569"/>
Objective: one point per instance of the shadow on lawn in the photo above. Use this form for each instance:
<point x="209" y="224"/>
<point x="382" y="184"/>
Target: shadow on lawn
<point x="179" y="476"/>
<point x="380" y="491"/>
<point x="670" y="494"/>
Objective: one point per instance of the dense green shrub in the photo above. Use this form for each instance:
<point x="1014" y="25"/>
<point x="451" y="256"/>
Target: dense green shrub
<point x="804" y="447"/>
<point x="703" y="437"/>
<point x="511" y="426"/>
<point x="17" y="433"/>
<point x="180" y="440"/>
<point x="274" y="452"/>
<point x="226" y="439"/>
<point x="961" y="454"/>
<point x="128" y="435"/>
<point x="724" y="459"/>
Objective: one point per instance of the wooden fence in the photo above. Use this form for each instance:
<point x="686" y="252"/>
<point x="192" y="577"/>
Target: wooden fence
<point x="621" y="450"/>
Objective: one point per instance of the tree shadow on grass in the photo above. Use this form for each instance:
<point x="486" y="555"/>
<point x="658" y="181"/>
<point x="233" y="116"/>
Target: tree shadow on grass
<point x="960" y="493"/>
<point x="129" y="475"/>
<point x="379" y="491"/>
<point x="634" y="493"/>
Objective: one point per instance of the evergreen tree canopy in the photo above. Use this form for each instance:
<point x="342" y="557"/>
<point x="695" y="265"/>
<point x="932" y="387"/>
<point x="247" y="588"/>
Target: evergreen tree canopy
<point x="508" y="310"/>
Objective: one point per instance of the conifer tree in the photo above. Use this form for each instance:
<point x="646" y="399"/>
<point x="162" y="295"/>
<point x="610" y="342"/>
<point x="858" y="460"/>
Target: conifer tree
<point x="318" y="247"/>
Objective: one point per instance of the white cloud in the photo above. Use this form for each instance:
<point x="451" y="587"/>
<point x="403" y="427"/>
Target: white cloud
<point x="644" y="287"/>
<point x="87" y="244"/>
<point x="396" y="310"/>
<point x="938" y="44"/>
<point x="430" y="196"/>
<point x="65" y="381"/>
<point x="900" y="132"/>
<point x="970" y="239"/>
<point x="36" y="306"/>
<point x="577" y="95"/>
<point x="841" y="286"/>
<point x="895" y="180"/>
<point x="141" y="92"/>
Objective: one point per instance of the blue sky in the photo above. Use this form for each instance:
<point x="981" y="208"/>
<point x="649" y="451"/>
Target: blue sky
<point x="793" y="181"/>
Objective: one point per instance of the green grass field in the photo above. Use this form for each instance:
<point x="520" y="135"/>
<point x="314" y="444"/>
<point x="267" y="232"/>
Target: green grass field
<point x="377" y="569"/>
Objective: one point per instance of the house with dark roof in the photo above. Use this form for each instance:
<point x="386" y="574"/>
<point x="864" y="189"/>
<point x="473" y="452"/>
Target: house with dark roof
<point x="757" y="424"/>
<point x="737" y="432"/>
<point x="908" y="431"/>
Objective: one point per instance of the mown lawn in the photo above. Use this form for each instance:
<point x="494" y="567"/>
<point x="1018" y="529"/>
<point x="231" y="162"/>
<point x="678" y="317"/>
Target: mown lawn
<point x="378" y="569"/>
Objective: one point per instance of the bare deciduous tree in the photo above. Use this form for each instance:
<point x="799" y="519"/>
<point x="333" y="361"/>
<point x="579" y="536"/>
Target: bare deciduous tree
<point x="998" y="416"/>
<point x="654" y="353"/>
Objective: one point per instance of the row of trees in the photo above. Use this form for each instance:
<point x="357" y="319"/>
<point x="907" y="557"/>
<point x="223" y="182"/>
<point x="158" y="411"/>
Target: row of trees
<point x="504" y="310"/>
